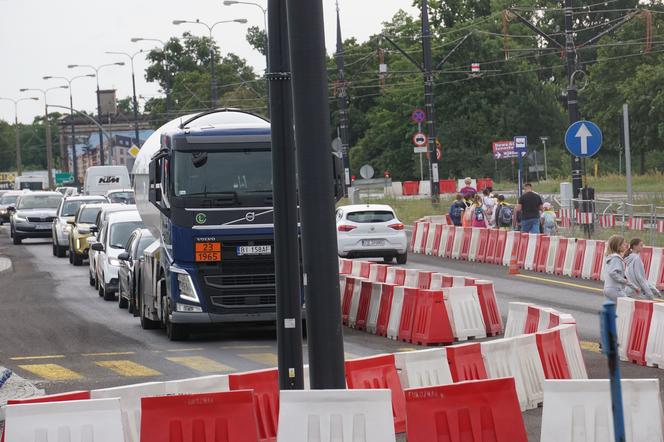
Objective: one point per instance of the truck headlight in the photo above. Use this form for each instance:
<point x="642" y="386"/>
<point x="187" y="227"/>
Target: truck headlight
<point x="186" y="288"/>
<point x="187" y="308"/>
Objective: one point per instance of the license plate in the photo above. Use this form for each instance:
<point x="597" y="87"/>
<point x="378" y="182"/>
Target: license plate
<point x="373" y="242"/>
<point x="254" y="250"/>
<point x="43" y="227"/>
<point x="208" y="251"/>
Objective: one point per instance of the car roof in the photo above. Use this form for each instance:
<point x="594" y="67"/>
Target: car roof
<point x="118" y="190"/>
<point x="127" y="216"/>
<point x="85" y="198"/>
<point x="364" y="207"/>
<point x="93" y="205"/>
<point x="42" y="192"/>
<point x="14" y="193"/>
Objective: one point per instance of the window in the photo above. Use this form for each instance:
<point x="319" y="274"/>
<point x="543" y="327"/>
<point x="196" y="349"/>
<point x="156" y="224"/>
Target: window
<point x="119" y="233"/>
<point x="8" y="200"/>
<point x="145" y="241"/>
<point x="39" y="202"/>
<point x="371" y="216"/>
<point x="122" y="197"/>
<point x="88" y="215"/>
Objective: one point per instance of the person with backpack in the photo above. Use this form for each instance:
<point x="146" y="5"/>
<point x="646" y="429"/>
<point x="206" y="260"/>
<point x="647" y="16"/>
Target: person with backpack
<point x="478" y="214"/>
<point x="456" y="210"/>
<point x="549" y="224"/>
<point x="503" y="214"/>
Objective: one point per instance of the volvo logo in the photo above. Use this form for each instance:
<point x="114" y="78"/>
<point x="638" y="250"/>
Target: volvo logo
<point x="201" y="218"/>
<point x="250" y="217"/>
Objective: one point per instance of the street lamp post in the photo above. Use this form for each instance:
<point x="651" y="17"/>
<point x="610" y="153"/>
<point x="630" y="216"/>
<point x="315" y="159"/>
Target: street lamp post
<point x="133" y="86"/>
<point x="546" y="167"/>
<point x="18" y="135"/>
<point x="237" y="2"/>
<point x="165" y="65"/>
<point x="101" y="138"/>
<point x="213" y="80"/>
<point x="71" y="118"/>
<point x="47" y="125"/>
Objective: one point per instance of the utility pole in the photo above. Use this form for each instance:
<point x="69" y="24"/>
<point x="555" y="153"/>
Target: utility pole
<point x="572" y="95"/>
<point x="314" y="165"/>
<point x="628" y="154"/>
<point x="546" y="165"/>
<point x="342" y="102"/>
<point x="284" y="195"/>
<point x="429" y="102"/>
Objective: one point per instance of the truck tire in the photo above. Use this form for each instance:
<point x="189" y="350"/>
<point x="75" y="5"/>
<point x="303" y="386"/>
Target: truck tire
<point x="174" y="332"/>
<point x="146" y="323"/>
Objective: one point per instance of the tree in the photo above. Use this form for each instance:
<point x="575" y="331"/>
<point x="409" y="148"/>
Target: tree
<point x="257" y="38"/>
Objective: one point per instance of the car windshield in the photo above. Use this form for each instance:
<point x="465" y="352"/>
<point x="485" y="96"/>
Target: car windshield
<point x="370" y="216"/>
<point x="88" y="215"/>
<point x="120" y="233"/>
<point x="39" y="202"/>
<point x="69" y="208"/>
<point x="227" y="172"/>
<point x="9" y="199"/>
<point x="122" y="197"/>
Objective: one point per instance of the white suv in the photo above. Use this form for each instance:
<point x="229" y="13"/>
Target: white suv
<point x="112" y="240"/>
<point x="371" y="231"/>
<point x="66" y="212"/>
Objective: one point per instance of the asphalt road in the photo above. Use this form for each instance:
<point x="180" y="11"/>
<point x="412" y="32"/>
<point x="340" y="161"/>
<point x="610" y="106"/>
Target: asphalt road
<point x="59" y="334"/>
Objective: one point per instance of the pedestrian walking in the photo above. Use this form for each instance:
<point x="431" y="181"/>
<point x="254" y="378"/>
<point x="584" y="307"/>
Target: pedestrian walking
<point x="478" y="213"/>
<point x="503" y="214"/>
<point x="549" y="223"/>
<point x="488" y="204"/>
<point x="529" y="207"/>
<point x="468" y="191"/>
<point x="636" y="273"/>
<point x="457" y="209"/>
<point x="615" y="280"/>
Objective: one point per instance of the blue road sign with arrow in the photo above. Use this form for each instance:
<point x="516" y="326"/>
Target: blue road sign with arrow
<point x="583" y="139"/>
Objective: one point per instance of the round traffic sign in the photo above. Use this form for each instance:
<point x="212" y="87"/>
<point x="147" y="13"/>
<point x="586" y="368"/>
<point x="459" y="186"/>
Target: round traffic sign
<point x="420" y="139"/>
<point x="583" y="139"/>
<point x="418" y="116"/>
<point x="367" y="172"/>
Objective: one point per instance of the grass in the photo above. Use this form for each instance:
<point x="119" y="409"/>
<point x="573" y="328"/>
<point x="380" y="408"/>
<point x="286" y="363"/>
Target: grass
<point x="651" y="182"/>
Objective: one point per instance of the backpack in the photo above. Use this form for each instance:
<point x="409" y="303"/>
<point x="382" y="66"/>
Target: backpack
<point x="505" y="216"/>
<point x="457" y="211"/>
<point x="479" y="214"/>
<point x="549" y="220"/>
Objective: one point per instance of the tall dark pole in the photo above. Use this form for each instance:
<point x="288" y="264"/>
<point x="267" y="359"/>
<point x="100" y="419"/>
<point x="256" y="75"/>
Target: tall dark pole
<point x="19" y="162"/>
<point x="572" y="100"/>
<point x="73" y="137"/>
<point x="133" y="87"/>
<point x="286" y="244"/>
<point x="342" y="102"/>
<point x="49" y="145"/>
<point x="213" y="79"/>
<point x="314" y="166"/>
<point x="101" y="135"/>
<point x="429" y="102"/>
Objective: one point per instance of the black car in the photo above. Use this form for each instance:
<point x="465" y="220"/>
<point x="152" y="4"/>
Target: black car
<point x="129" y="271"/>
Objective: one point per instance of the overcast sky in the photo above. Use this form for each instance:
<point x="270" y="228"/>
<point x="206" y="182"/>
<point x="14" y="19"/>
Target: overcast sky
<point x="41" y="37"/>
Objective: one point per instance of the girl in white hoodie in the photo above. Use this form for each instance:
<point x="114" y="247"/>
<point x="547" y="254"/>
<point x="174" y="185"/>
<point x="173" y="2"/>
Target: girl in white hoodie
<point x="636" y="273"/>
<point x="616" y="281"/>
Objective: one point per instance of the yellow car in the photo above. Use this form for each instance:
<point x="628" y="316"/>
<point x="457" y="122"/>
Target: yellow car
<point x="80" y="232"/>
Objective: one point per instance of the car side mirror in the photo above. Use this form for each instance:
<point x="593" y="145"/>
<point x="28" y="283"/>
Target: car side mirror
<point x="83" y="231"/>
<point x="94" y="229"/>
<point x="97" y="247"/>
<point x="124" y="256"/>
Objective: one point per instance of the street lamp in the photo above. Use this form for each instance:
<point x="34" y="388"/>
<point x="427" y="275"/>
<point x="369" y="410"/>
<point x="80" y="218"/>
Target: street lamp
<point x="47" y="125"/>
<point x="18" y="135"/>
<point x="133" y="86"/>
<point x="71" y="118"/>
<point x="236" y="2"/>
<point x="546" y="167"/>
<point x="213" y="80"/>
<point x="164" y="64"/>
<point x="101" y="139"/>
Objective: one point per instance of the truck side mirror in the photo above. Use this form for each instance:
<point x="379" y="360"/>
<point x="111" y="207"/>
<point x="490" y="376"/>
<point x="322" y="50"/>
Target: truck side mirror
<point x="155" y="195"/>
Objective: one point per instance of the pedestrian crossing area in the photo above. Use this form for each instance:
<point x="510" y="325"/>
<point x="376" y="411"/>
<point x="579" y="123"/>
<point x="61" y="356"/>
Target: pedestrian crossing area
<point x="78" y="368"/>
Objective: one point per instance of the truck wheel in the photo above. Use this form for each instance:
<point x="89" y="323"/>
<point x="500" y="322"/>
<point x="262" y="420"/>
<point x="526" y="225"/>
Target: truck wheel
<point x="174" y="332"/>
<point x="146" y="324"/>
<point x="402" y="258"/>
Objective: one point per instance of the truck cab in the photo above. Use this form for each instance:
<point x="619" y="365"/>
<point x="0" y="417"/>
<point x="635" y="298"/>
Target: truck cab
<point x="204" y="189"/>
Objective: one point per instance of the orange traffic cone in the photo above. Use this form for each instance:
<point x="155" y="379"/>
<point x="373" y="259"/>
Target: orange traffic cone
<point x="514" y="267"/>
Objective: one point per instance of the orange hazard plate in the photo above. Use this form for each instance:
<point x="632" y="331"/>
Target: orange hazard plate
<point x="208" y="251"/>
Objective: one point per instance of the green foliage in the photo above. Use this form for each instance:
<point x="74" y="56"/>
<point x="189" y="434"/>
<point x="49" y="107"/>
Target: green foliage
<point x="257" y="38"/>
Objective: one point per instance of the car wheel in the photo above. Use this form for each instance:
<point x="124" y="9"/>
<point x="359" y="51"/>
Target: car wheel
<point x="91" y="279"/>
<point x="122" y="302"/>
<point x="131" y="303"/>
<point x="402" y="258"/>
<point x="75" y="258"/>
<point x="16" y="239"/>
<point x="108" y="295"/>
<point x="174" y="332"/>
<point x="71" y="255"/>
<point x="60" y="251"/>
<point x="96" y="282"/>
<point x="388" y="259"/>
<point x="54" y="249"/>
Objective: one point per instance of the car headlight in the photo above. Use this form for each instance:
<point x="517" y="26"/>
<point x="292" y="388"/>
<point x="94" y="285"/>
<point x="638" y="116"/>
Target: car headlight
<point x="186" y="286"/>
<point x="114" y="262"/>
<point x="20" y="219"/>
<point x="3" y="211"/>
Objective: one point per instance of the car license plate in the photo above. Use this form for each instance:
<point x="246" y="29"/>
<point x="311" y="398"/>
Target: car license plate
<point x="373" y="242"/>
<point x="208" y="251"/>
<point x="43" y="226"/>
<point x="254" y="250"/>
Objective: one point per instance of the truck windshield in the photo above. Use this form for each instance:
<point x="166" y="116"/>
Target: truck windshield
<point x="232" y="171"/>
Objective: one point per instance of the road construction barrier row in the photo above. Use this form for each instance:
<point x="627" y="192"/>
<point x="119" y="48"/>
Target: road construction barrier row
<point x="417" y="306"/>
<point x="388" y="394"/>
<point x="640" y="327"/>
<point x="556" y="255"/>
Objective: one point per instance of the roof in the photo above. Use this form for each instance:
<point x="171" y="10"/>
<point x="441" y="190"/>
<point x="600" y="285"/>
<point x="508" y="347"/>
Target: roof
<point x="108" y="192"/>
<point x="85" y="198"/>
<point x="42" y="192"/>
<point x="361" y="207"/>
<point x="127" y="215"/>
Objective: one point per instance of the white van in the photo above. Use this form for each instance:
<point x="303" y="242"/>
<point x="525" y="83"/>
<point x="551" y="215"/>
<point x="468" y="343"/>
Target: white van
<point x="101" y="179"/>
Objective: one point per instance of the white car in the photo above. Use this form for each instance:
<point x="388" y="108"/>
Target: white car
<point x="66" y="212"/>
<point x="121" y="196"/>
<point x="371" y="231"/>
<point x="112" y="240"/>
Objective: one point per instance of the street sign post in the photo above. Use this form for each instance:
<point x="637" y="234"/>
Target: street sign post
<point x="418" y="116"/>
<point x="521" y="148"/>
<point x="583" y="139"/>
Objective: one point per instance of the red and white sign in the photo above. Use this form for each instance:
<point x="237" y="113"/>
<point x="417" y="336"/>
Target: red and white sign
<point x="504" y="149"/>
<point x="420" y="139"/>
<point x="475" y="68"/>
